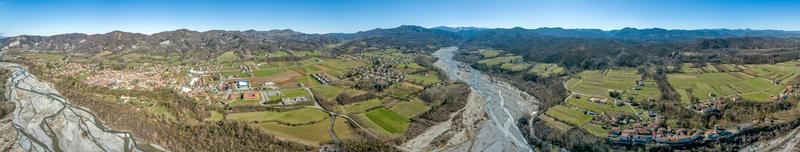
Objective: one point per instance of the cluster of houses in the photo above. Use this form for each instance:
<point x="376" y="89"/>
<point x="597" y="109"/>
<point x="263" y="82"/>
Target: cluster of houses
<point x="143" y="79"/>
<point x="711" y="106"/>
<point x="245" y="69"/>
<point x="617" y="102"/>
<point x="655" y="133"/>
<point x="791" y="90"/>
<point x="381" y="72"/>
<point x="321" y="78"/>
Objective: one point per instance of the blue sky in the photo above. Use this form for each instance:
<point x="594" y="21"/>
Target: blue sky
<point x="49" y="17"/>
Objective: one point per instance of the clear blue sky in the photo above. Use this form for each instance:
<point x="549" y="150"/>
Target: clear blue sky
<point x="48" y="17"/>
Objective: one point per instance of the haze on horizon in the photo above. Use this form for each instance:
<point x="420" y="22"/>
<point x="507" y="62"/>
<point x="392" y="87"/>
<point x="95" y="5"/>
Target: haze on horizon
<point x="39" y="17"/>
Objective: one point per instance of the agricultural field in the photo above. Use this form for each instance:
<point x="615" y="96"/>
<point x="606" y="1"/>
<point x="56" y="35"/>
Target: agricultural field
<point x="569" y="115"/>
<point x="243" y="102"/>
<point x="310" y="134"/>
<point x="358" y="107"/>
<point x="754" y="82"/>
<point x="299" y="116"/>
<point x="550" y="121"/>
<point x="486" y="53"/>
<point x="403" y="90"/>
<point x="327" y="91"/>
<point x="595" y="129"/>
<point x="228" y="57"/>
<point x="500" y="60"/>
<point x="602" y="107"/>
<point x="428" y="79"/>
<point x="547" y="70"/>
<point x="599" y="83"/>
<point x="410" y="109"/>
<point x="388" y="120"/>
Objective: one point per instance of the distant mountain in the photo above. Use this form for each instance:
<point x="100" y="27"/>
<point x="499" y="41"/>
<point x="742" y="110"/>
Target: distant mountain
<point x="212" y="42"/>
<point x="459" y="29"/>
<point x="596" y="49"/>
<point x="404" y="38"/>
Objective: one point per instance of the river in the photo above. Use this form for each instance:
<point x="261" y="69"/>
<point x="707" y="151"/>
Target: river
<point x="46" y="121"/>
<point x="503" y="105"/>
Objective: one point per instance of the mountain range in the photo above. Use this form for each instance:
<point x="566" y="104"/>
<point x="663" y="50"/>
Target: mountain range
<point x="557" y="45"/>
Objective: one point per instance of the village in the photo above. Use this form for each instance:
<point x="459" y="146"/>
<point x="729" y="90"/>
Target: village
<point x="286" y="98"/>
<point x="616" y="117"/>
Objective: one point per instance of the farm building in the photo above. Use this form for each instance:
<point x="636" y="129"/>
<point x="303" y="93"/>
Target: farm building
<point x="242" y="84"/>
<point x="250" y="95"/>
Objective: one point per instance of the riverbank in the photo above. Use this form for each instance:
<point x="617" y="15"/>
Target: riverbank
<point x="502" y="104"/>
<point x="47" y="121"/>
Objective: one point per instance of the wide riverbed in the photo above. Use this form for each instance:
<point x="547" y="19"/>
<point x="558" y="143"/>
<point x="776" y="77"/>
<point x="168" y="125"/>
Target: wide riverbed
<point x="46" y="121"/>
<point x="503" y="104"/>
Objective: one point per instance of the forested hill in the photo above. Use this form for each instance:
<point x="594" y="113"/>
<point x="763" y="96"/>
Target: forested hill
<point x="597" y="49"/>
<point x="580" y="48"/>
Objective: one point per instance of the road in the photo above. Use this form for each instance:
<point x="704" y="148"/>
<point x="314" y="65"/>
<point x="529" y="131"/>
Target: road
<point x="333" y="118"/>
<point x="503" y="104"/>
<point x="46" y="121"/>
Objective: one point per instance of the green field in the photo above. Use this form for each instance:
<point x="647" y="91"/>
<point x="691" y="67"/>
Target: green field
<point x="228" y="57"/>
<point x="547" y="70"/>
<point x="410" y="109"/>
<point x="388" y="120"/>
<point x="358" y="107"/>
<point x="600" y="107"/>
<point x="268" y="72"/>
<point x="598" y="83"/>
<point x="500" y="60"/>
<point x="754" y="82"/>
<point x="568" y="115"/>
<point x="299" y="116"/>
<point x="402" y="90"/>
<point x="428" y="79"/>
<point x="485" y="53"/>
<point x="327" y="91"/>
<point x="310" y="134"/>
<point x="275" y="54"/>
<point x="554" y="123"/>
<point x="595" y="130"/>
<point x="308" y="81"/>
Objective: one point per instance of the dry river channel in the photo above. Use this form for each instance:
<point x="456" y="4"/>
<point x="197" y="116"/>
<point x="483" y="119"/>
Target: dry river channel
<point x="503" y="104"/>
<point x="46" y="121"/>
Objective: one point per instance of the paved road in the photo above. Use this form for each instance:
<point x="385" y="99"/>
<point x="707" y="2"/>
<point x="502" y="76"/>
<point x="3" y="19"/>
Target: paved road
<point x="504" y="104"/>
<point x="46" y="121"/>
